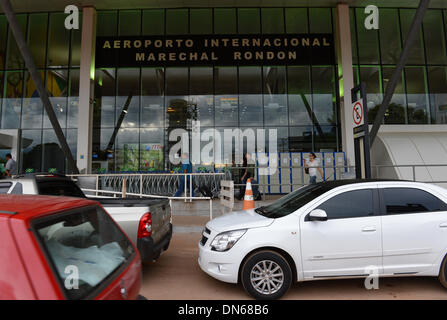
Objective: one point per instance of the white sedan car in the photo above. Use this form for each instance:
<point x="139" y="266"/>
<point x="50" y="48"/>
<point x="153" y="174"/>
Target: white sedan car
<point x="338" y="229"/>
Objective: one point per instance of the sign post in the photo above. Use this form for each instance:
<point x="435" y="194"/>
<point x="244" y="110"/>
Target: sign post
<point x="361" y="132"/>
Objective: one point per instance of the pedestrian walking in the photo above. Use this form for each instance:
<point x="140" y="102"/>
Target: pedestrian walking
<point x="247" y="173"/>
<point x="311" y="168"/>
<point x="186" y="168"/>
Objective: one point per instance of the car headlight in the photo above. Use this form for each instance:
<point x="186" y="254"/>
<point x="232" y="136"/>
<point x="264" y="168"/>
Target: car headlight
<point x="226" y="240"/>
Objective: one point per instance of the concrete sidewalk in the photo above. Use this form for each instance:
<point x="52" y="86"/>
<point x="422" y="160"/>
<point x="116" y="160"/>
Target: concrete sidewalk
<point x="192" y="216"/>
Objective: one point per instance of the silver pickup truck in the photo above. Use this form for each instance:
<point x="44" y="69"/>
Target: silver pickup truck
<point x="147" y="222"/>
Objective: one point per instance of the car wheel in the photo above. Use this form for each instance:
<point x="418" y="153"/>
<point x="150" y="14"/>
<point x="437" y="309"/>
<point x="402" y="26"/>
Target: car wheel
<point x="266" y="275"/>
<point x="443" y="273"/>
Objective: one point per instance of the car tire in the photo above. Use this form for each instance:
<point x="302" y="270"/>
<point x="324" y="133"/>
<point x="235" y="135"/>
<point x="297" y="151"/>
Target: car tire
<point x="271" y="265"/>
<point x="443" y="273"/>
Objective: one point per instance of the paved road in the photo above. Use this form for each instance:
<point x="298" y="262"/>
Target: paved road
<point x="176" y="275"/>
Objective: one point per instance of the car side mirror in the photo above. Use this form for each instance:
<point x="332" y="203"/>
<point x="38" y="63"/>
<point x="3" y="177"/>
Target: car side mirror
<point x="318" y="215"/>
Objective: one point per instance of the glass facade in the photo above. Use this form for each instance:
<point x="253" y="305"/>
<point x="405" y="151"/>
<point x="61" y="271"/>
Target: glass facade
<point x="137" y="108"/>
<point x="421" y="94"/>
<point x="56" y="52"/>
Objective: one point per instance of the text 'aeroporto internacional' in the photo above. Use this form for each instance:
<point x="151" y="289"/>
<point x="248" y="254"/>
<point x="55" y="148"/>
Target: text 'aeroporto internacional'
<point x="216" y="49"/>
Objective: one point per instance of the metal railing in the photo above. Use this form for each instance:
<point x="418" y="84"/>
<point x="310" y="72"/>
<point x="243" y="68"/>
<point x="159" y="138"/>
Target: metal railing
<point x="405" y="169"/>
<point x="162" y="184"/>
<point x="147" y="185"/>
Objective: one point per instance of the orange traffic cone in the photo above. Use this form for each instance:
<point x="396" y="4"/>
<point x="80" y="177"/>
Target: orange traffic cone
<point x="249" y="202"/>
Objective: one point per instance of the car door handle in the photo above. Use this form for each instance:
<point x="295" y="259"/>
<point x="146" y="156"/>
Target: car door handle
<point x="369" y="229"/>
<point x="443" y="225"/>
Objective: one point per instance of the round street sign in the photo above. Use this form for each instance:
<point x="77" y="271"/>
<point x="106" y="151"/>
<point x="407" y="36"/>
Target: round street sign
<point x="357" y="112"/>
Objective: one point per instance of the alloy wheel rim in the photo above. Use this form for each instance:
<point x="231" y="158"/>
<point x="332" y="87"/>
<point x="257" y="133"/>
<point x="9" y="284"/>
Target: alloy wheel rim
<point x="267" y="277"/>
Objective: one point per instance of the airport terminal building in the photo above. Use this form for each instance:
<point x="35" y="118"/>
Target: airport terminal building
<point x="136" y="70"/>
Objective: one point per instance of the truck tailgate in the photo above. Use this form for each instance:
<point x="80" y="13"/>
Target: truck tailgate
<point x="128" y="212"/>
<point x="161" y="220"/>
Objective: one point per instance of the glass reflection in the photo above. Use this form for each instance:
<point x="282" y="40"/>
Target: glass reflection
<point x="128" y="98"/>
<point x="397" y="111"/>
<point x="104" y="110"/>
<point x="417" y="103"/>
<point x="282" y="138"/>
<point x="416" y="55"/>
<point x="437" y="78"/>
<point x="300" y="97"/>
<point x="53" y="156"/>
<point x="32" y="105"/>
<point x="103" y="156"/>
<point x="368" y="40"/>
<point x="15" y="60"/>
<point x="434" y="37"/>
<point x="3" y="38"/>
<point x="58" y="41"/>
<point x="12" y="103"/>
<point x="323" y="97"/>
<point x="275" y="98"/>
<point x="57" y="88"/>
<point x="201" y="94"/>
<point x="72" y="141"/>
<point x="152" y="100"/>
<point x="300" y="139"/>
<point x="325" y="139"/>
<point x="178" y="110"/>
<point x="226" y="96"/>
<point x="37" y="38"/>
<point x="250" y="96"/>
<point x="371" y="77"/>
<point x="390" y="41"/>
<point x="31" y="151"/>
<point x="73" y="99"/>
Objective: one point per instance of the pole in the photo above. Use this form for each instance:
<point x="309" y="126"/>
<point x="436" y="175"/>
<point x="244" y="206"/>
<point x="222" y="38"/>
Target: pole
<point x="415" y="25"/>
<point x="31" y="66"/>
<point x="119" y="123"/>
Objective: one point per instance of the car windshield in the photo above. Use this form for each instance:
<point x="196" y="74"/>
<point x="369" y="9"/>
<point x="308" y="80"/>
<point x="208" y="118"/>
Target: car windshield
<point x="85" y="248"/>
<point x="293" y="201"/>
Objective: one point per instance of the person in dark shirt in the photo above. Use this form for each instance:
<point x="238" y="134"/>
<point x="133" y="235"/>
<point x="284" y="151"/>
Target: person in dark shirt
<point x="248" y="172"/>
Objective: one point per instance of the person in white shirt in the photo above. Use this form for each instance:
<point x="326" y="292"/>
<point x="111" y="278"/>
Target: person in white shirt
<point x="11" y="166"/>
<point x="311" y="164"/>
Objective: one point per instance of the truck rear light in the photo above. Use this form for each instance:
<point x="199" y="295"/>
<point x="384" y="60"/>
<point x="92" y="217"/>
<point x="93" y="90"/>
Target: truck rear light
<point x="145" y="226"/>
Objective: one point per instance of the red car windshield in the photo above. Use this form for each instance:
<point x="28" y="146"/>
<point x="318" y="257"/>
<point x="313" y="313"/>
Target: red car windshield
<point x="85" y="248"/>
